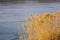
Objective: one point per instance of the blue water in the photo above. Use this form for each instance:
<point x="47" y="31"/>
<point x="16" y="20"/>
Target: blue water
<point x="8" y="31"/>
<point x="13" y="15"/>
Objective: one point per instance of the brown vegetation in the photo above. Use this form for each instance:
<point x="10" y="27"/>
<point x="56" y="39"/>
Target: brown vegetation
<point x="45" y="27"/>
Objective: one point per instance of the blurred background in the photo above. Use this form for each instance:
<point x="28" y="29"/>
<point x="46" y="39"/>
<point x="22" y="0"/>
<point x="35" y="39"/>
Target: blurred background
<point x="21" y="1"/>
<point x="14" y="13"/>
<point x="26" y="0"/>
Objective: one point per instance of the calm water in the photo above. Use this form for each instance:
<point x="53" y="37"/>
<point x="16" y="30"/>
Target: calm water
<point x="13" y="15"/>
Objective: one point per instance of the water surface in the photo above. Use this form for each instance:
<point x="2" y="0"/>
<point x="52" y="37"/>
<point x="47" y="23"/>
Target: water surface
<point x="13" y="15"/>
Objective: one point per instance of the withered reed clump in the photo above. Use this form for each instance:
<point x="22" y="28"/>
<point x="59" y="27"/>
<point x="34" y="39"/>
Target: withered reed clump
<point x="45" y="27"/>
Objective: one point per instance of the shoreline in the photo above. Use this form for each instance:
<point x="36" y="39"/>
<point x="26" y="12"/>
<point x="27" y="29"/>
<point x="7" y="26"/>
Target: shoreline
<point x="23" y="2"/>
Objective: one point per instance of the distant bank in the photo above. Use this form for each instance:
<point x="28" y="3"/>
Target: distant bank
<point x="22" y="1"/>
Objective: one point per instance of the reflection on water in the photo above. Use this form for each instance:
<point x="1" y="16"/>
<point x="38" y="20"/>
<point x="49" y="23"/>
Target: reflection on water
<point x="14" y="14"/>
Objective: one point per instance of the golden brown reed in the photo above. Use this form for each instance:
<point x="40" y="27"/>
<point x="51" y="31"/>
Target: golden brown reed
<point x="45" y="27"/>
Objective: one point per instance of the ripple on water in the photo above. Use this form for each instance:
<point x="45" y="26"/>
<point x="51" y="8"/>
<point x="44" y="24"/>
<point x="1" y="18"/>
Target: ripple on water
<point x="9" y="37"/>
